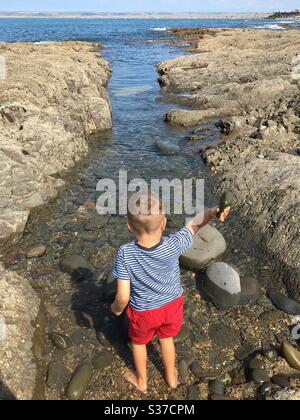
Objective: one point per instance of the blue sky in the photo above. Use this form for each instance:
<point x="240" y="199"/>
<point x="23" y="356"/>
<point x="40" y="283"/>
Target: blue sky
<point x="149" y="5"/>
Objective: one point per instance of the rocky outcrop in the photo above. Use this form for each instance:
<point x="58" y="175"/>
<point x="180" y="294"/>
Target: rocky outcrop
<point x="234" y="72"/>
<point x="285" y="15"/>
<point x="19" y="307"/>
<point x="54" y="95"/>
<point x="251" y="78"/>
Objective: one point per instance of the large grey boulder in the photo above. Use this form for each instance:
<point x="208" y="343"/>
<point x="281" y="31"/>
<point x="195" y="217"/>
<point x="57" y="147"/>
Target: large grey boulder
<point x="208" y="245"/>
<point x="19" y="307"/>
<point x="225" y="288"/>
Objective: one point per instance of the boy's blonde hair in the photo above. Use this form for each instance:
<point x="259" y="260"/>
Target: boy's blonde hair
<point x="145" y="213"/>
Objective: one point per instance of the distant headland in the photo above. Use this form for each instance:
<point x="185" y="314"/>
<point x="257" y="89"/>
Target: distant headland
<point x="144" y="15"/>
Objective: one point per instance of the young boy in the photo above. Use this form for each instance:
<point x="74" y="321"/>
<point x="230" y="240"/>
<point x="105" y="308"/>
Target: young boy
<point x="148" y="276"/>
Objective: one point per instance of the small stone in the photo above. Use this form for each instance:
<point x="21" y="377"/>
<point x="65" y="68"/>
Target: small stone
<point x="238" y="376"/>
<point x="259" y="376"/>
<point x="183" y="371"/>
<point x="265" y="388"/>
<point x="36" y="252"/>
<point x="60" y="341"/>
<point x="197" y="370"/>
<point x="89" y="204"/>
<point x="103" y="360"/>
<point x="10" y="258"/>
<point x="257" y="364"/>
<point x="182" y="336"/>
<point x="271" y="355"/>
<point x="291" y="355"/>
<point x="216" y="388"/>
<point x="281" y="380"/>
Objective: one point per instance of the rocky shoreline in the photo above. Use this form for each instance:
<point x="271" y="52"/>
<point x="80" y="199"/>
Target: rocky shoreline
<point x="249" y="79"/>
<point x="53" y="97"/>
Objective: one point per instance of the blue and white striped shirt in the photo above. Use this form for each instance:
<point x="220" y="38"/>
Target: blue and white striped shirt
<point x="154" y="272"/>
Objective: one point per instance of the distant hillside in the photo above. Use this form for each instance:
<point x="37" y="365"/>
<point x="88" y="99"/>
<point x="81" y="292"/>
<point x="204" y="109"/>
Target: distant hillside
<point x="285" y="15"/>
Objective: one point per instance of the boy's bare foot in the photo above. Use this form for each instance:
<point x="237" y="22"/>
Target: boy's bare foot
<point x="173" y="381"/>
<point x="133" y="380"/>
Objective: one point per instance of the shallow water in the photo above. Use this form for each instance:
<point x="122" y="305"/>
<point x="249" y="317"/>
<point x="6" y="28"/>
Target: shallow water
<point x="133" y="48"/>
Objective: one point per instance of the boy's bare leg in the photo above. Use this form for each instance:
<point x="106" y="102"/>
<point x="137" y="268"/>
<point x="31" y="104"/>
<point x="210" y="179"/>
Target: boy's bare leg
<point x="139" y="380"/>
<point x="169" y="357"/>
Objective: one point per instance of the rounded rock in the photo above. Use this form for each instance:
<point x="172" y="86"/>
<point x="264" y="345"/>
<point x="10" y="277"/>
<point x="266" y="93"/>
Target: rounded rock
<point x="80" y="382"/>
<point x="167" y="147"/>
<point x="216" y="388"/>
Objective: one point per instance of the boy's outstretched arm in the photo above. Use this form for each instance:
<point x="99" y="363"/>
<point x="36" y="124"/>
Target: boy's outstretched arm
<point x="122" y="297"/>
<point x="203" y="219"/>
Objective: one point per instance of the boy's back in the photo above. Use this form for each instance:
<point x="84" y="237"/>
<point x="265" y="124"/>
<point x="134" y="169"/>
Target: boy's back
<point x="154" y="272"/>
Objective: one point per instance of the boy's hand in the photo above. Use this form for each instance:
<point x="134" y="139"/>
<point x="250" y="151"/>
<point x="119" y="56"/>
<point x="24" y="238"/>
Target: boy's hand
<point x="223" y="216"/>
<point x="115" y="310"/>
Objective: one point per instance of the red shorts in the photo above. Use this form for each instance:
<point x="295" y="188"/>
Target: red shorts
<point x="165" y="322"/>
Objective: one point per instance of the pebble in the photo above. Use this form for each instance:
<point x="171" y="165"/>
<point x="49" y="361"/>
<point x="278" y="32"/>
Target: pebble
<point x="103" y="360"/>
<point x="80" y="382"/>
<point x="60" y="341"/>
<point x="238" y="376"/>
<point x="10" y="258"/>
<point x="257" y="364"/>
<point x="58" y="375"/>
<point x="183" y="371"/>
<point x="271" y="355"/>
<point x="216" y="388"/>
<point x="265" y="388"/>
<point x="281" y="380"/>
<point x="284" y="303"/>
<point x="291" y="355"/>
<point x="36" y="252"/>
<point x="197" y="370"/>
<point x="182" y="336"/>
<point x="259" y="376"/>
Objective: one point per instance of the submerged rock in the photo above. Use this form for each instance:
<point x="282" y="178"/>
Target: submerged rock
<point x="259" y="376"/>
<point x="167" y="147"/>
<point x="208" y="245"/>
<point x="284" y="303"/>
<point x="77" y="266"/>
<point x="80" y="382"/>
<point x="281" y="380"/>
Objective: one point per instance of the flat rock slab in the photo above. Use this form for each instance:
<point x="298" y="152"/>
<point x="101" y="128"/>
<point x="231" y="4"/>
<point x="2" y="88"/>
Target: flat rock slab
<point x="208" y="245"/>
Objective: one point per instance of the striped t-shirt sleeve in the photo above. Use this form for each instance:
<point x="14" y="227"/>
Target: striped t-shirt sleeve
<point x="119" y="270"/>
<point x="183" y="240"/>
